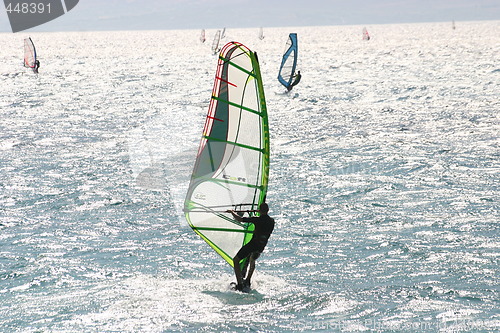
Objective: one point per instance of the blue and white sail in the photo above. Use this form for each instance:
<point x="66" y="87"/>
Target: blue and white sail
<point x="289" y="61"/>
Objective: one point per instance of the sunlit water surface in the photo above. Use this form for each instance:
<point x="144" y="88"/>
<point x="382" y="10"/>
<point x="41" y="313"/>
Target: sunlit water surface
<point x="384" y="183"/>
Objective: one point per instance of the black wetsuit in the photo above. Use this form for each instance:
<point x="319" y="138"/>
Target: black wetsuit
<point x="295" y="82"/>
<point x="264" y="226"/>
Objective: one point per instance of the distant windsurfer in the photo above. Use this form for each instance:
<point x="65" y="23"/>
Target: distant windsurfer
<point x="37" y="65"/>
<point x="297" y="77"/>
<point x="264" y="226"/>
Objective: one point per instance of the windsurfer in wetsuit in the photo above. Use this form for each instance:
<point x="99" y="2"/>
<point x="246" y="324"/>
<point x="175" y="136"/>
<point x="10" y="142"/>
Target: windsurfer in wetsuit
<point x="264" y="226"/>
<point x="37" y="65"/>
<point x="296" y="81"/>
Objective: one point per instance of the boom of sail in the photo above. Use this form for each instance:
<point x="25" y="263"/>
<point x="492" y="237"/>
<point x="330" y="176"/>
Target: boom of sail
<point x="232" y="165"/>
<point x="289" y="61"/>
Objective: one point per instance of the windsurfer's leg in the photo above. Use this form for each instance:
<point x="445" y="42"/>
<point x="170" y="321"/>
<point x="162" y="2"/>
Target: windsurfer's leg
<point x="251" y="268"/>
<point x="237" y="270"/>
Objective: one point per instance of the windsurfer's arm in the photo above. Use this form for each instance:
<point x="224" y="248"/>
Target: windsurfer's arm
<point x="235" y="216"/>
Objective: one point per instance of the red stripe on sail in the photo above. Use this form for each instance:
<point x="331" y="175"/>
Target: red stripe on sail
<point x="215" y="118"/>
<point x="221" y="79"/>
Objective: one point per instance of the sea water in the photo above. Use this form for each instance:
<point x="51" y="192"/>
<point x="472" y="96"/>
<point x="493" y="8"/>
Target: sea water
<point x="384" y="183"/>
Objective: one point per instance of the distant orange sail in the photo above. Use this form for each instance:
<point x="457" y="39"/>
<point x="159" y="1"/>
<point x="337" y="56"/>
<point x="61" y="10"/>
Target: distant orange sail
<point x="366" y="35"/>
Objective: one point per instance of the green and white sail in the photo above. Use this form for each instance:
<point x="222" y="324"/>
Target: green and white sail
<point x="232" y="165"/>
